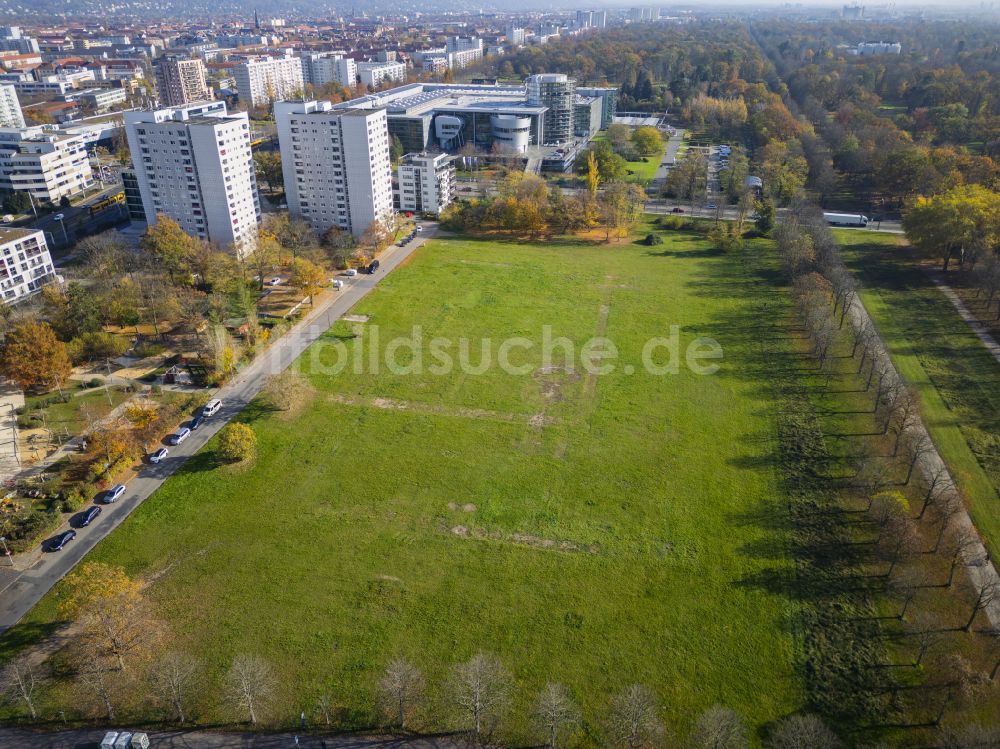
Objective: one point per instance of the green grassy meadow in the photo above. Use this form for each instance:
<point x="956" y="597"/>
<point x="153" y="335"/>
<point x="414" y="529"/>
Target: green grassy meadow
<point x="936" y="351"/>
<point x="596" y="531"/>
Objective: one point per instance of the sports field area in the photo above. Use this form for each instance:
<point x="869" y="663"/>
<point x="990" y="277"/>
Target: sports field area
<point x="593" y="530"/>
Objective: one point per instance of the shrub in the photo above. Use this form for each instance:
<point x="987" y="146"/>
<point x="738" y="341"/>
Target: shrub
<point x="95" y="382"/>
<point x="237" y="443"/>
<point x="652" y="239"/>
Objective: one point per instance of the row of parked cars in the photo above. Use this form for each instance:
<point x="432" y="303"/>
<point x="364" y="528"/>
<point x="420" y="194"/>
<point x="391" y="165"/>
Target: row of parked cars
<point x="115" y="493"/>
<point x="410" y="237"/>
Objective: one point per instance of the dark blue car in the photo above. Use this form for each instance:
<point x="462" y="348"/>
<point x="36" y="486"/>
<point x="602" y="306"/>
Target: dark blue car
<point x="89" y="516"/>
<point x="62" y="539"/>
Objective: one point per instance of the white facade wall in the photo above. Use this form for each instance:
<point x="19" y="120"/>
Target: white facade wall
<point x="322" y="69"/>
<point x="25" y="263"/>
<point x="336" y="164"/>
<point x="10" y="107"/>
<point x="48" y="164"/>
<point x="194" y="165"/>
<point x="425" y="182"/>
<point x="263" y="81"/>
<point x="374" y="73"/>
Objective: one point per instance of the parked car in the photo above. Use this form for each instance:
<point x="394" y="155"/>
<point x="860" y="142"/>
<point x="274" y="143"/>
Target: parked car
<point x="211" y="408"/>
<point x="196" y="422"/>
<point x="179" y="436"/>
<point x="89" y="515"/>
<point x="711" y="206"/>
<point x="158" y="456"/>
<point x="274" y="281"/>
<point x="373" y="266"/>
<point x="338" y="284"/>
<point x="61" y="540"/>
<point x="419" y="228"/>
<point x="677" y="209"/>
<point x="350" y="272"/>
<point x="112" y="494"/>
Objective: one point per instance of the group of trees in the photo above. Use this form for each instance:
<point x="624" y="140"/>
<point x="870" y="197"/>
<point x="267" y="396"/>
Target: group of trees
<point x="895" y="126"/>
<point x="525" y="205"/>
<point x="917" y="518"/>
<point x="120" y="660"/>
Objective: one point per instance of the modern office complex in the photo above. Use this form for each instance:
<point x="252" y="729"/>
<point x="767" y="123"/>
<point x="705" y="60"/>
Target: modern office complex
<point x="447" y="116"/>
<point x="194" y="165"/>
<point x="425" y="182"/>
<point x="609" y="101"/>
<point x="10" y="107"/>
<point x="336" y="164"/>
<point x="322" y="68"/>
<point x="181" y="81"/>
<point x="46" y="163"/>
<point x="25" y="263"/>
<point x="264" y="80"/>
<point x="373" y="74"/>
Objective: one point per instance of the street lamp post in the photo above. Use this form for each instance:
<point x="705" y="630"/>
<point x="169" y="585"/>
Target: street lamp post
<point x="6" y="551"/>
<point x="62" y="223"/>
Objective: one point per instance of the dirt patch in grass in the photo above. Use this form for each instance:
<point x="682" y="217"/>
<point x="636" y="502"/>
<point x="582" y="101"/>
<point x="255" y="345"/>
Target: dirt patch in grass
<point x="524" y="539"/>
<point x="390" y="404"/>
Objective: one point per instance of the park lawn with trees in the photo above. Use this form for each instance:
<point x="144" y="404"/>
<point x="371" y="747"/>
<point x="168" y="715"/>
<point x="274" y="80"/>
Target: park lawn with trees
<point x="590" y="532"/>
<point x="957" y="378"/>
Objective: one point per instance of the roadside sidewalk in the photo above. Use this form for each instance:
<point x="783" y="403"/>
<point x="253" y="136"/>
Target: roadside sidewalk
<point x="19" y="738"/>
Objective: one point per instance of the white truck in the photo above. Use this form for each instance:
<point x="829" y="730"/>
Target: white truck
<point x="846" y="219"/>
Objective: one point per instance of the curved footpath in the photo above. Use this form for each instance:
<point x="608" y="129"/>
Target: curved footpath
<point x="21" y="590"/>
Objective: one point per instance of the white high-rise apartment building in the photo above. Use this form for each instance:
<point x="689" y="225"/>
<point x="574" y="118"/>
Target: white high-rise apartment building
<point x="374" y="73"/>
<point x="194" y="165"/>
<point x="321" y="68"/>
<point x="10" y="107"/>
<point x="336" y="164"/>
<point x="261" y="81"/>
<point x="181" y="81"/>
<point x="47" y="163"/>
<point x="425" y="182"/>
<point x="25" y="263"/>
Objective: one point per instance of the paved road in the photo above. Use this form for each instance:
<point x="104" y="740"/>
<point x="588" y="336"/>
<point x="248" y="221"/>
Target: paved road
<point x="16" y="738"/>
<point x="21" y="590"/>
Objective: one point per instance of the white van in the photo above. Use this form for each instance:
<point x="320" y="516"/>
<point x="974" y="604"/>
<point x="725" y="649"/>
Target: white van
<point x="211" y="408"/>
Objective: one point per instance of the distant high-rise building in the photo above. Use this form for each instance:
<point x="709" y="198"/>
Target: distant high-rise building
<point x="264" y="80"/>
<point x="584" y="19"/>
<point x="599" y="19"/>
<point x="10" y="107"/>
<point x="12" y="40"/>
<point x="194" y="165"/>
<point x="854" y="12"/>
<point x="515" y="35"/>
<point x="557" y="92"/>
<point x="322" y="68"/>
<point x="336" y="164"/>
<point x="181" y="81"/>
<point x="374" y="73"/>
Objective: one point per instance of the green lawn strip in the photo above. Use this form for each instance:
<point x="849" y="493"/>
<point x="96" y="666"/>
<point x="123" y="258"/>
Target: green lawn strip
<point x="74" y="415"/>
<point x="936" y="352"/>
<point x="610" y="546"/>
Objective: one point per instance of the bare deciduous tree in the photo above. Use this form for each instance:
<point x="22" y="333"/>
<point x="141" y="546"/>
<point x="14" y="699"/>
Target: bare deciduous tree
<point x="174" y="681"/>
<point x="802" y="732"/>
<point x="719" y="728"/>
<point x="480" y="691"/>
<point x="250" y="685"/>
<point x="555" y="714"/>
<point x="925" y="636"/>
<point x="96" y="674"/>
<point x="935" y="485"/>
<point x="19" y="680"/>
<point x="986" y="591"/>
<point x="958" y="543"/>
<point x="962" y="682"/>
<point x="401" y="689"/>
<point x="324" y="706"/>
<point x="634" y="719"/>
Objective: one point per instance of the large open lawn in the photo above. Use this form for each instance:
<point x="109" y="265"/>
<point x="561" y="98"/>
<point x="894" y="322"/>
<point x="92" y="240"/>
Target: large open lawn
<point x="936" y="351"/>
<point x="598" y="531"/>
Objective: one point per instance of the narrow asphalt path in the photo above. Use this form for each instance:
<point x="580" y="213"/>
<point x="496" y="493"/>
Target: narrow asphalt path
<point x="20" y="591"/>
<point x="19" y="738"/>
<point x="981" y="331"/>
